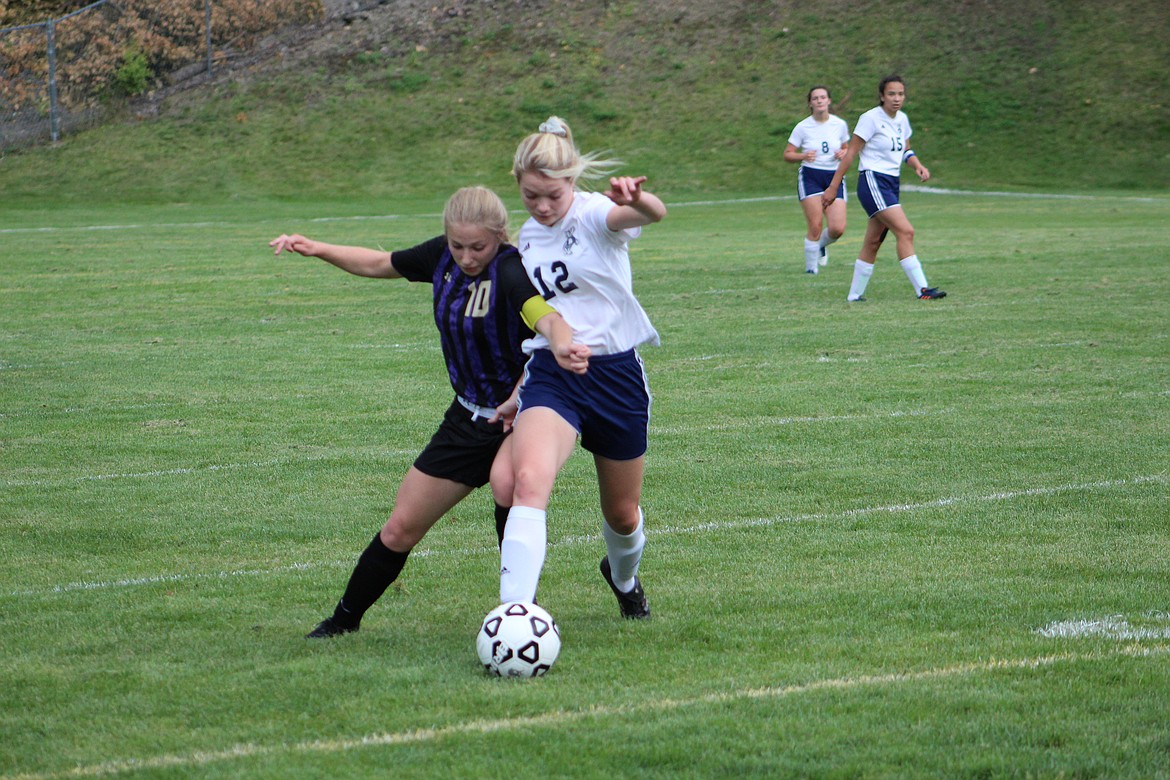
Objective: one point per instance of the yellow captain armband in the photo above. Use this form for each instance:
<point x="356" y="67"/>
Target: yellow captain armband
<point x="534" y="309"/>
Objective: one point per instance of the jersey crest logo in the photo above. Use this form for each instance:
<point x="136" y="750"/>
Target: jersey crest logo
<point x="570" y="241"/>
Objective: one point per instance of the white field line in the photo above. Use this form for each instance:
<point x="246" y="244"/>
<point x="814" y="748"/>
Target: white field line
<point x="1154" y="624"/>
<point x="718" y="526"/>
<point x="849" y="514"/>
<point x="47" y="412"/>
<point x="561" y="719"/>
<point x="185" y="470"/>
<point x="1037" y="195"/>
<point x="755" y="422"/>
<point x="673" y="204"/>
<point x="132" y="226"/>
<point x="284" y="461"/>
<point x="54" y="366"/>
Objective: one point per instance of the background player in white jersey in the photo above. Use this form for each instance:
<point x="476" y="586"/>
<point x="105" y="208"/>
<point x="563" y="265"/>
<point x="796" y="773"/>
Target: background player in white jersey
<point x="882" y="138"/>
<point x="574" y="247"/>
<point x="485" y="307"/>
<point x="818" y="142"/>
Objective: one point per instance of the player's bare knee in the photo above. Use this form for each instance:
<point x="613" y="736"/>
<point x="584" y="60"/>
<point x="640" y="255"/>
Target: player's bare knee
<point x="623" y="526"/>
<point x="623" y="519"/>
<point x="397" y="538"/>
<point x="502" y="494"/>
<point x="503" y="486"/>
<point x="531" y="487"/>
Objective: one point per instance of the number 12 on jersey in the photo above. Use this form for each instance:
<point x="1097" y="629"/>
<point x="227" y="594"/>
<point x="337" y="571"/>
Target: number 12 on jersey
<point x="560" y="280"/>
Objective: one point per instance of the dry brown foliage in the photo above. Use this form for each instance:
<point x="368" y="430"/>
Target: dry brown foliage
<point x="92" y="46"/>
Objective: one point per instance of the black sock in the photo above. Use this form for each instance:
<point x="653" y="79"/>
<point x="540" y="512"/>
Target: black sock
<point x="501" y="521"/>
<point x="377" y="567"/>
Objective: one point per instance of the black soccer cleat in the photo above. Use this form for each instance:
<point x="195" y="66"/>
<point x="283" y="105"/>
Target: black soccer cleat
<point x="329" y="627"/>
<point x="633" y="604"/>
<point x="931" y="294"/>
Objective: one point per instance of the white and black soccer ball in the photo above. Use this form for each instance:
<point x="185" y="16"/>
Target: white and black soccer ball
<point x="518" y="639"/>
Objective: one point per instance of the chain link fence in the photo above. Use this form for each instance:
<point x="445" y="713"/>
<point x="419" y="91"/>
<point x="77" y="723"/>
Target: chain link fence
<point x="60" y="74"/>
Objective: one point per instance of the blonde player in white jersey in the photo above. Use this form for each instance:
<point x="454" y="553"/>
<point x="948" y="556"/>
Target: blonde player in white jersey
<point x="818" y="142"/>
<point x="882" y="139"/>
<point x="575" y="248"/>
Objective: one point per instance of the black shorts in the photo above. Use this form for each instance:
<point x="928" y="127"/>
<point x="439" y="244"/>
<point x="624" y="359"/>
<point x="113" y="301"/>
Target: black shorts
<point x="462" y="450"/>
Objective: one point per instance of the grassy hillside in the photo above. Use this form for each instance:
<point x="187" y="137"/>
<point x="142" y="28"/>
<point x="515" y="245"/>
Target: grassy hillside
<point x="404" y="101"/>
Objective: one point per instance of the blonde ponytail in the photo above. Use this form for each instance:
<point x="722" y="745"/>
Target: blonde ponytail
<point x="551" y="151"/>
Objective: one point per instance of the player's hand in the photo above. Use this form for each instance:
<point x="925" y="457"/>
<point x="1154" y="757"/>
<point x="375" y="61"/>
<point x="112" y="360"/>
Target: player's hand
<point x="574" y="358"/>
<point x="294" y="243"/>
<point x="840" y="153"/>
<point x="506" y="413"/>
<point x="625" y="190"/>
<point x="923" y="173"/>
<point x="811" y="155"/>
<point x="828" y="198"/>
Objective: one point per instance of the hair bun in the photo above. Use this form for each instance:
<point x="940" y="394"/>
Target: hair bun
<point x="554" y="126"/>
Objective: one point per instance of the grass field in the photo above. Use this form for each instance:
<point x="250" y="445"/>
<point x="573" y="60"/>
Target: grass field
<point x="888" y="539"/>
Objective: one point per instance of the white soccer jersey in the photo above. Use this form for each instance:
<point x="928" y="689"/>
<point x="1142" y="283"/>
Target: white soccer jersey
<point x="886" y="140"/>
<point x="825" y="137"/>
<point x="582" y="268"/>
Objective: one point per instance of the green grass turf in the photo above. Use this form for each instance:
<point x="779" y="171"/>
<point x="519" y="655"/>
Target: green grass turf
<point x="859" y="516"/>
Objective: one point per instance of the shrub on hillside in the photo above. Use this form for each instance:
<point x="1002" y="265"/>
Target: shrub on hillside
<point x="134" y="76"/>
<point x="163" y="35"/>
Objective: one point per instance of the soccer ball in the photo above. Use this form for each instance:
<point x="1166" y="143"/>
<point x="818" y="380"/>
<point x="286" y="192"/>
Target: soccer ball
<point x="518" y="639"/>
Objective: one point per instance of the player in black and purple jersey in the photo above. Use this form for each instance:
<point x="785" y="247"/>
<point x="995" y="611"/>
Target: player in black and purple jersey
<point x="485" y="306"/>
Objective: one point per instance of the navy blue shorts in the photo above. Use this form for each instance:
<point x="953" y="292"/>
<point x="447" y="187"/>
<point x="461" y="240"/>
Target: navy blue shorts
<point x="462" y="449"/>
<point x="877" y="191"/>
<point x="813" y="181"/>
<point x="609" y="406"/>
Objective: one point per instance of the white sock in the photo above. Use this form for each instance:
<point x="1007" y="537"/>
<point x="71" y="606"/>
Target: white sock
<point x="625" y="553"/>
<point x="522" y="553"/>
<point x="812" y="255"/>
<point x="861" y="273"/>
<point x="913" y="270"/>
<point x="823" y="243"/>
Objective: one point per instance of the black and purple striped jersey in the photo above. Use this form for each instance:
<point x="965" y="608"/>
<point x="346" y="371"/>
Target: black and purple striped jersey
<point x="479" y="321"/>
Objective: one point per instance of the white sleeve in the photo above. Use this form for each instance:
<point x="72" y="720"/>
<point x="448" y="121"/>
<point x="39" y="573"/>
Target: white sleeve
<point x="797" y="137"/>
<point x="592" y="217"/>
<point x="865" y="128"/>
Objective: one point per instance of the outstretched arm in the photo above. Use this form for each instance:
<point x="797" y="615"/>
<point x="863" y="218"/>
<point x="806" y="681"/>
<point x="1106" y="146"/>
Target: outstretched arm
<point x="357" y="260"/>
<point x="633" y="206"/>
